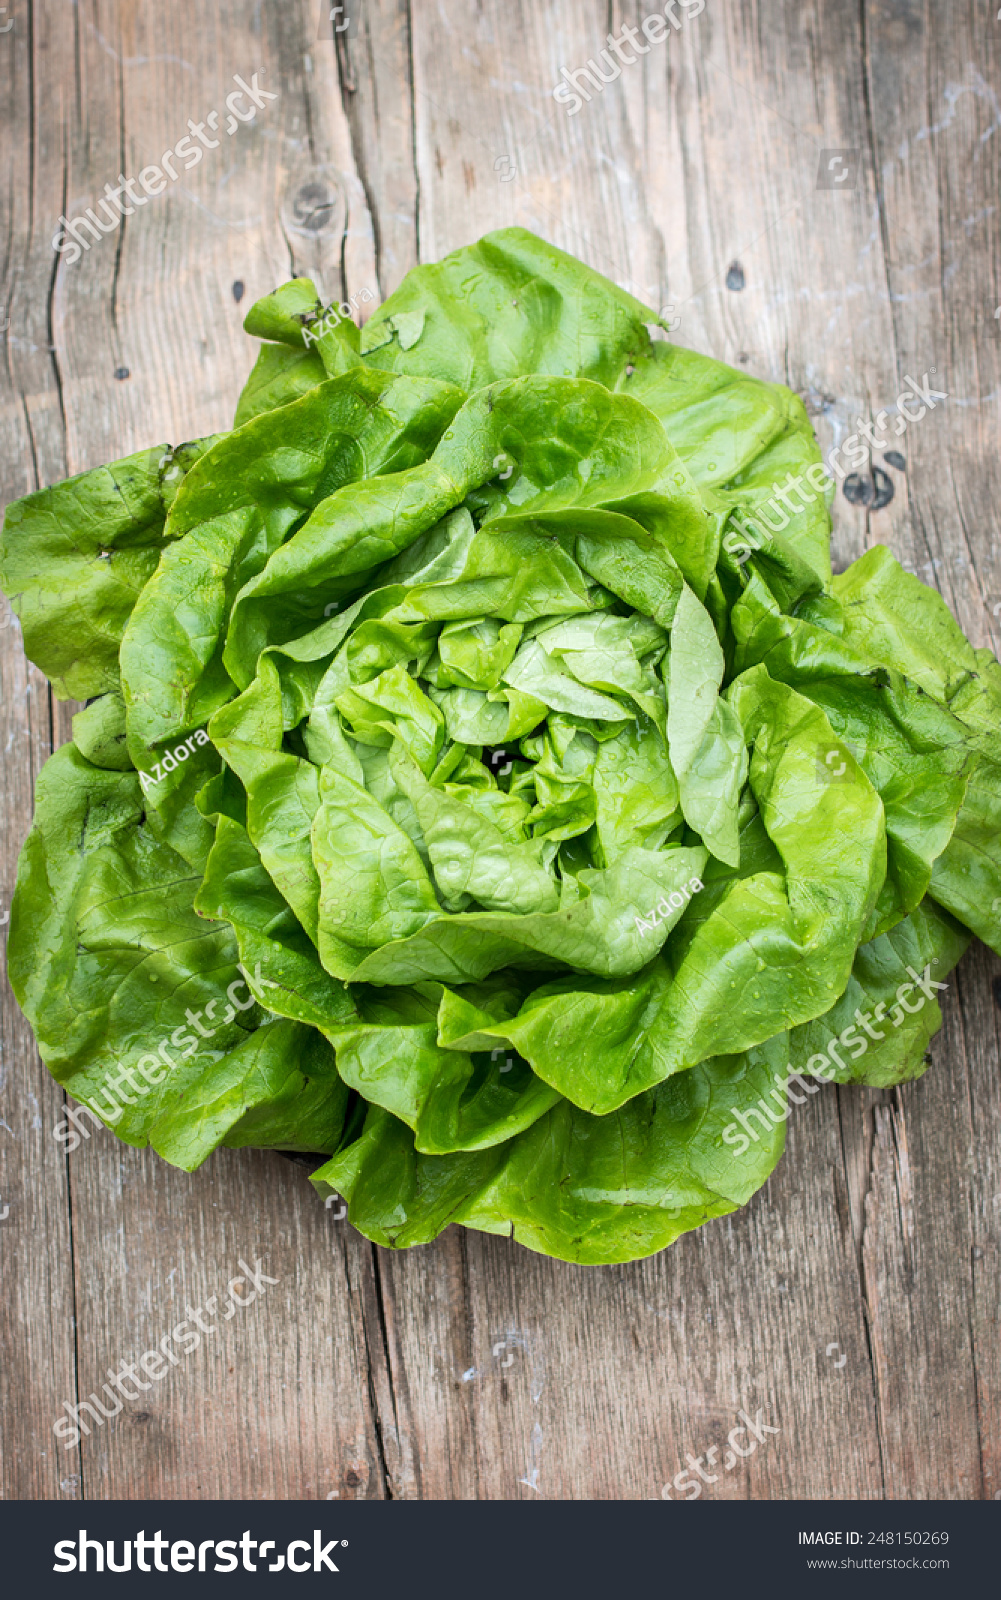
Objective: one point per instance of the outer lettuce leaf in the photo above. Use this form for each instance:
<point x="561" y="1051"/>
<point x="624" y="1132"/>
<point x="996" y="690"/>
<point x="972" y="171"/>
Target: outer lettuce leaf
<point x="966" y="877"/>
<point x="896" y="620"/>
<point x="585" y="1189"/>
<point x="719" y="420"/>
<point x="135" y="1001"/>
<point x="75" y="558"/>
<point x="278" y="1090"/>
<point x="280" y="376"/>
<point x="916" y="754"/>
<point x="284" y="313"/>
<point x="99" y="733"/>
<point x="741" y="440"/>
<point x="801" y="523"/>
<point x="508" y="305"/>
<point x="879" y="1030"/>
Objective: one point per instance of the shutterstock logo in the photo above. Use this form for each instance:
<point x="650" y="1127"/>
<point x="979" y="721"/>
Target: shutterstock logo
<point x="333" y="20"/>
<point x="72" y="1555"/>
<point x="839" y="169"/>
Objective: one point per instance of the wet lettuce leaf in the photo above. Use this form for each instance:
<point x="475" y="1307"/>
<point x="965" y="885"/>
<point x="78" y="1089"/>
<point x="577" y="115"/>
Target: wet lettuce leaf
<point x="878" y="1032"/>
<point x="591" y="1190"/>
<point x="75" y="558"/>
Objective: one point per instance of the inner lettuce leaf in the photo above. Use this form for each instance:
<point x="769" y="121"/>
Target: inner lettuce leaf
<point x="705" y="738"/>
<point x="486" y="788"/>
<point x="756" y="955"/>
<point x="240" y="503"/>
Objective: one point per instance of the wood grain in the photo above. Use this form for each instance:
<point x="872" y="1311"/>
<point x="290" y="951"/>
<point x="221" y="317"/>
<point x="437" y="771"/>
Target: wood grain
<point x="855" y="1303"/>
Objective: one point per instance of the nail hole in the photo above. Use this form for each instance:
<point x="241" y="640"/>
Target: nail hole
<point x="874" y="492"/>
<point x="122" y="372"/>
<point x="735" y="276"/>
<point x="238" y="290"/>
<point x="858" y="490"/>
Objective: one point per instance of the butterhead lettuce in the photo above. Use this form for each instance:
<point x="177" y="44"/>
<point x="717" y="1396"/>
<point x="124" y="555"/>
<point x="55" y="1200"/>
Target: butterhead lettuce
<point x="460" y="803"/>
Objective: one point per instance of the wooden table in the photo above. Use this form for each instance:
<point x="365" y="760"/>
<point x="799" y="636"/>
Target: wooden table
<point x="855" y="1302"/>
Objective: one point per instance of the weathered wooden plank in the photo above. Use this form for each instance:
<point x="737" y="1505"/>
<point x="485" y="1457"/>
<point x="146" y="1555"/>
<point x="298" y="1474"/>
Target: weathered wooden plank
<point x="535" y="1378"/>
<point x="252" y="1411"/>
<point x="37" y="1305"/>
<point x="932" y="117"/>
<point x="273" y="1403"/>
<point x="979" y="1019"/>
<point x="698" y="1366"/>
<point x="36" y="1245"/>
<point x="915" y="1281"/>
<point x="373" y="55"/>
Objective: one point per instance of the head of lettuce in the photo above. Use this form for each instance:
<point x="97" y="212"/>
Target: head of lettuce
<point x="485" y="783"/>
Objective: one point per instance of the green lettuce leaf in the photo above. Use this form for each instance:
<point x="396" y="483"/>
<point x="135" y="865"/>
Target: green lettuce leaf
<point x="586" y="1189"/>
<point x="878" y="1032"/>
<point x="705" y="738"/>
<point x="75" y="558"/>
<point x="239" y="503"/>
<point x="139" y="1007"/>
<point x="916" y="754"/>
<point x="508" y="305"/>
